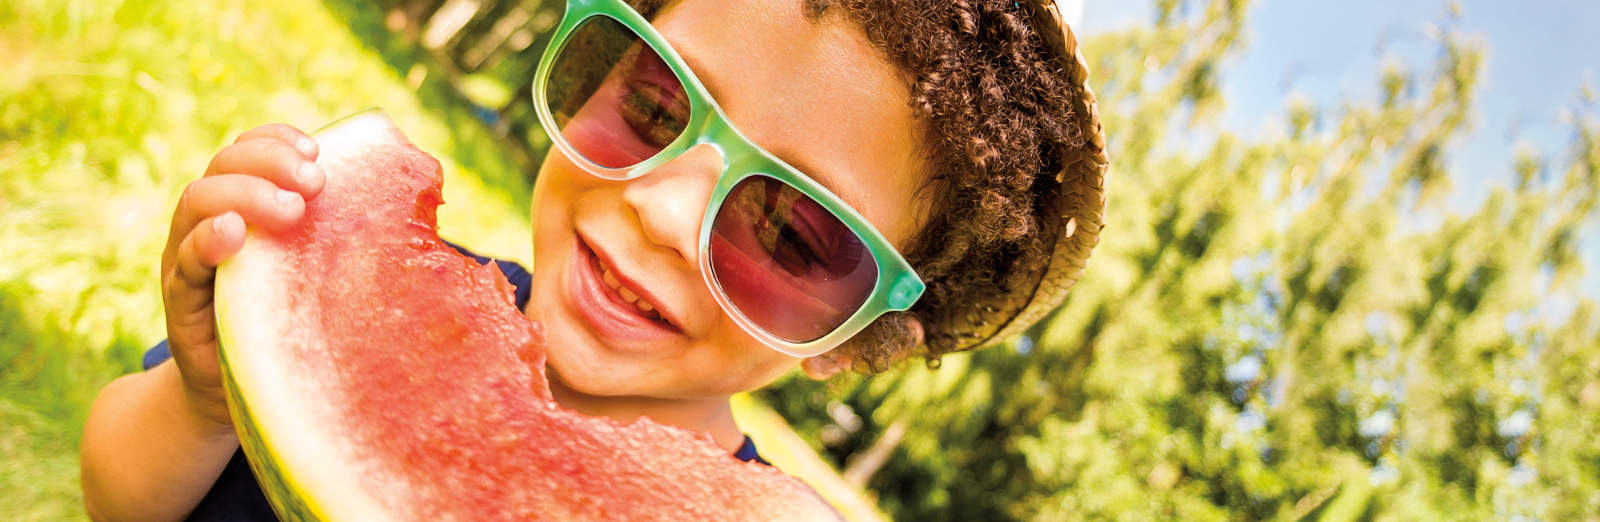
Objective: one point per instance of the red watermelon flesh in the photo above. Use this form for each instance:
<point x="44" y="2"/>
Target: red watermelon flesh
<point x="378" y="374"/>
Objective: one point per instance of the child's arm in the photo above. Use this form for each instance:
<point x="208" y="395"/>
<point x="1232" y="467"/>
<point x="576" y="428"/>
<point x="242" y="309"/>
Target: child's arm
<point x="155" y="442"/>
<point x="147" y="452"/>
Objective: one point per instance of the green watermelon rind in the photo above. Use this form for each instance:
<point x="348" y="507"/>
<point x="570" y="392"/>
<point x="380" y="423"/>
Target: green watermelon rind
<point x="288" y="499"/>
<point x="369" y="111"/>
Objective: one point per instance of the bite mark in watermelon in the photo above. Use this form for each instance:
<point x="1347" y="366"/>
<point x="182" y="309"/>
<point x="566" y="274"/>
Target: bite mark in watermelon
<point x="376" y="374"/>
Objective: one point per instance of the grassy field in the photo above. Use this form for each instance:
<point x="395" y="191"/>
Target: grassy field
<point x="107" y="109"/>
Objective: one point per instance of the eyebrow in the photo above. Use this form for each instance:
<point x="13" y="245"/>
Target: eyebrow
<point x="849" y="197"/>
<point x="694" y="66"/>
<point x="809" y="171"/>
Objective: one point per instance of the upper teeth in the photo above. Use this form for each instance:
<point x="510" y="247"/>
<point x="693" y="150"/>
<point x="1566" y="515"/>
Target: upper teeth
<point x="627" y="295"/>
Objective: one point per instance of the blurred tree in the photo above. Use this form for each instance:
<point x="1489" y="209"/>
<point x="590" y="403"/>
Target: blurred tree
<point x="1276" y="328"/>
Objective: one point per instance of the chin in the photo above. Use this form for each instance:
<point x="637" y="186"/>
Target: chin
<point x="582" y="367"/>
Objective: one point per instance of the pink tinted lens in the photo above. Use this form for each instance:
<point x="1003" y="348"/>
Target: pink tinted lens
<point x="613" y="98"/>
<point x="786" y="262"/>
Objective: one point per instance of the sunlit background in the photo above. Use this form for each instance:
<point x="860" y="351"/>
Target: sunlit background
<point x="1540" y="61"/>
<point x="1348" y="271"/>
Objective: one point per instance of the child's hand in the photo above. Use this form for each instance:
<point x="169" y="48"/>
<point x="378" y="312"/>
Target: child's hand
<point x="264" y="179"/>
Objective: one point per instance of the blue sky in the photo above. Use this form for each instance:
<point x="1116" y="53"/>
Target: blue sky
<point x="1540" y="54"/>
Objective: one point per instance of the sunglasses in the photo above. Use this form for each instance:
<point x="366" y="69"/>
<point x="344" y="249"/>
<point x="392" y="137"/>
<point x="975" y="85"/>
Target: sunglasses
<point x="788" y="260"/>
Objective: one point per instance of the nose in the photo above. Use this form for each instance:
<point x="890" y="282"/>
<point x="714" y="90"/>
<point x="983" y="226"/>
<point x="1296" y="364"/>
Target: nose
<point x="671" y="200"/>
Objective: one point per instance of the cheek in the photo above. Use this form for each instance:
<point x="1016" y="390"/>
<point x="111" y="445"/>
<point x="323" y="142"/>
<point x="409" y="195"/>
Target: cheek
<point x="558" y="180"/>
<point x="559" y="183"/>
<point x="743" y="363"/>
<point x="551" y="214"/>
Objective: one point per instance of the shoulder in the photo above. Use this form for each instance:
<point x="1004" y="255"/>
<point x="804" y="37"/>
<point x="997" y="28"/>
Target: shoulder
<point x="747" y="452"/>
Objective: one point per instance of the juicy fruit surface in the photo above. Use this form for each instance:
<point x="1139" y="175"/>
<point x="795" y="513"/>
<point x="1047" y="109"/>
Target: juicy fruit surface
<point x="412" y="378"/>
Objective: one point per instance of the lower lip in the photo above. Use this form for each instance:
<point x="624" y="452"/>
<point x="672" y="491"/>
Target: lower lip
<point x="596" y="302"/>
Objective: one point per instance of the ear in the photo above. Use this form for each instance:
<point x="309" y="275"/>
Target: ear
<point x="825" y="366"/>
<point x="914" y="329"/>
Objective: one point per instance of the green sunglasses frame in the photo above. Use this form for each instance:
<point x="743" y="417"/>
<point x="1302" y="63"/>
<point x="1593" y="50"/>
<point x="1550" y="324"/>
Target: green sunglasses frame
<point x="898" y="286"/>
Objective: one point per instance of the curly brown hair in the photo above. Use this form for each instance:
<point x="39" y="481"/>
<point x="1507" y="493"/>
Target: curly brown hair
<point x="998" y="113"/>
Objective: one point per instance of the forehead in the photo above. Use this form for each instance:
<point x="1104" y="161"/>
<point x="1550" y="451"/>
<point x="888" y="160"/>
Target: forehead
<point x="815" y="93"/>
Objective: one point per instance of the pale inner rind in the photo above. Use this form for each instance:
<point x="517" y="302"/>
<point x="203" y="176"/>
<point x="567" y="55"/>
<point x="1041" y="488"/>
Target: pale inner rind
<point x="260" y="336"/>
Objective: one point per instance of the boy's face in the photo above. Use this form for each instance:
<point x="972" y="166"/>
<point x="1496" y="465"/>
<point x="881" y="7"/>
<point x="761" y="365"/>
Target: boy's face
<point x="818" y="96"/>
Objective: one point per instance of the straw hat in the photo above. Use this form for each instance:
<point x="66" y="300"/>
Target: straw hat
<point x="1076" y="193"/>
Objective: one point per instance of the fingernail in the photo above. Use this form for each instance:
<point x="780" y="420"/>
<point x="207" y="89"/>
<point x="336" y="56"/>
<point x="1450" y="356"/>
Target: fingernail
<point x="285" y="197"/>
<point x="308" y="170"/>
<point x="221" y="223"/>
<point x="305" y="145"/>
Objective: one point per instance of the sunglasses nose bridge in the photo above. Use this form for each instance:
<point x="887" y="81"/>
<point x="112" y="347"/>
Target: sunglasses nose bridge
<point x="697" y="154"/>
<point x="737" y="150"/>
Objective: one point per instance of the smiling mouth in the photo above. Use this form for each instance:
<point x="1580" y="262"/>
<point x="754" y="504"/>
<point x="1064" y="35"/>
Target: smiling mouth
<point x="612" y="304"/>
<point x="621" y="293"/>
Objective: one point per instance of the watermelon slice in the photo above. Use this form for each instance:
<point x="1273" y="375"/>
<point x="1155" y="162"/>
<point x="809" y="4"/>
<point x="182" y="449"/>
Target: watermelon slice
<point x="376" y="374"/>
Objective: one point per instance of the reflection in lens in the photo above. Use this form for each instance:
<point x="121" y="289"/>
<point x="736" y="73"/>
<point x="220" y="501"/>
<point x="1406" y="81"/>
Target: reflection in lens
<point x="786" y="262"/>
<point x="613" y="98"/>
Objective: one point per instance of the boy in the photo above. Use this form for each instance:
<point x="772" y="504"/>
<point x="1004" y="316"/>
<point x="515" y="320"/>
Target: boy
<point x="956" y="137"/>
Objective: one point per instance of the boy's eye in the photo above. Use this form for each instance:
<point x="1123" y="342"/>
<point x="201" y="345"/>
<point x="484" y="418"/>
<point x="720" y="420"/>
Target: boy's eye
<point x="655" y="115"/>
<point x="652" y="101"/>
<point x="801" y="236"/>
<point x="827" y="244"/>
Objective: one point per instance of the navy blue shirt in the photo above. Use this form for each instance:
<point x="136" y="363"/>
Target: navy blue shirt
<point x="237" y="495"/>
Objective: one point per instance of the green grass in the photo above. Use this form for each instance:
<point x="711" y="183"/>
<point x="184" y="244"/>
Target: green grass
<point x="48" y="382"/>
<point x="107" y="110"/>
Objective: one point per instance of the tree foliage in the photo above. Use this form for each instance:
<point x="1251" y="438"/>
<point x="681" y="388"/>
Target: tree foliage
<point x="1275" y="327"/>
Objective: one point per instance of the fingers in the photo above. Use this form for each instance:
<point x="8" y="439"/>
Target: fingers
<point x="279" y="156"/>
<point x="258" y="201"/>
<point x="264" y="178"/>
<point x="273" y="160"/>
<point x="188" y="287"/>
<point x="284" y="133"/>
<point x="187" y="291"/>
<point x="215" y="240"/>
